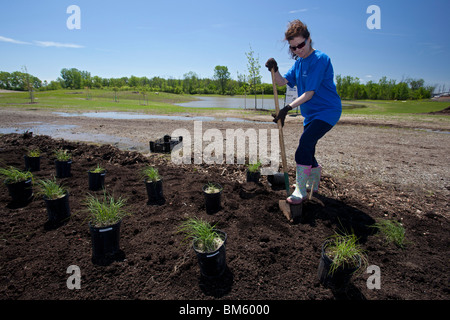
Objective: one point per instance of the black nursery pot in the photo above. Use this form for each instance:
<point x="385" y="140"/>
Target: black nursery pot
<point x="58" y="210"/>
<point x="213" y="264"/>
<point x="340" y="278"/>
<point x="20" y="192"/>
<point x="276" y="181"/>
<point x="63" y="168"/>
<point x="155" y="192"/>
<point x="212" y="200"/>
<point x="253" y="176"/>
<point x="105" y="243"/>
<point x="32" y="163"/>
<point x="96" y="180"/>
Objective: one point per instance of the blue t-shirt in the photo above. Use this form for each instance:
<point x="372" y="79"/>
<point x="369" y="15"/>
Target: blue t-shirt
<point x="315" y="73"/>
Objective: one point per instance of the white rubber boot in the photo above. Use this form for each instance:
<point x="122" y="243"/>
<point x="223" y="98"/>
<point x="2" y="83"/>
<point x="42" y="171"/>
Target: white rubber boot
<point x="314" y="179"/>
<point x="300" y="193"/>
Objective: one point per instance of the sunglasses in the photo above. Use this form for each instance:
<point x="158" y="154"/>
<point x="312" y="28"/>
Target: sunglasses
<point x="301" y="45"/>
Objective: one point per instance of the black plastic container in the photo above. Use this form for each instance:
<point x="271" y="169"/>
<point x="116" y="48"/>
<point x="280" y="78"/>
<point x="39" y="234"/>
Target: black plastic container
<point x="155" y="192"/>
<point x="340" y="278"/>
<point x="213" y="200"/>
<point x="253" y="176"/>
<point x="276" y="181"/>
<point x="213" y="264"/>
<point x="96" y="180"/>
<point x="105" y="243"/>
<point x="58" y="210"/>
<point x="63" y="168"/>
<point x="20" y="192"/>
<point x="32" y="163"/>
<point x="165" y="144"/>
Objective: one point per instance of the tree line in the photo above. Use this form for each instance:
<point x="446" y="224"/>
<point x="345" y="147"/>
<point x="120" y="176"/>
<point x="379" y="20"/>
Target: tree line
<point x="350" y="88"/>
<point x="222" y="83"/>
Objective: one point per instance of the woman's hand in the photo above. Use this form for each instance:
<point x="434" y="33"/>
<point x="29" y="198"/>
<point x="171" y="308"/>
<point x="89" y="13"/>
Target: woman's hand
<point x="272" y="64"/>
<point x="282" y="115"/>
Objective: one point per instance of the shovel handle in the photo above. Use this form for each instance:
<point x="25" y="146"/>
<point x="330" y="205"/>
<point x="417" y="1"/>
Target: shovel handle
<point x="280" y="132"/>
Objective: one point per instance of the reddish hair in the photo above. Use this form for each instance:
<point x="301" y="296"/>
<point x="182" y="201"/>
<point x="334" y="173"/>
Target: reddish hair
<point x="296" y="28"/>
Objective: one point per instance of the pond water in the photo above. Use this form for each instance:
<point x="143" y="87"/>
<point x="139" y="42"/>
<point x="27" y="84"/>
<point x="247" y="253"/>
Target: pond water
<point x="244" y="103"/>
<point x="234" y="103"/>
<point x="137" y="116"/>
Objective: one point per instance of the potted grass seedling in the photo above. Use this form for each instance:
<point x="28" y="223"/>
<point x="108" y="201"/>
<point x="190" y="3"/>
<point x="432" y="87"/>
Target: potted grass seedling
<point x="33" y="160"/>
<point x="341" y="257"/>
<point x="212" y="192"/>
<point x="19" y="184"/>
<point x="209" y="245"/>
<point x="392" y="230"/>
<point x="105" y="217"/>
<point x="254" y="172"/>
<point x="96" y="178"/>
<point x="153" y="185"/>
<point x="63" y="163"/>
<point x="56" y="199"/>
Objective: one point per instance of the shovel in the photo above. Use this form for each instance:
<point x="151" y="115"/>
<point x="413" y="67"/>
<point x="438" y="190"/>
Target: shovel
<point x="280" y="134"/>
<point x="290" y="212"/>
<point x="282" y="203"/>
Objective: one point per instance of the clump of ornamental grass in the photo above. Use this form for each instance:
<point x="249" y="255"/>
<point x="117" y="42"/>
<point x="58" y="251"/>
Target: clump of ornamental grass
<point x="254" y="167"/>
<point x="97" y="169"/>
<point x="34" y="153"/>
<point x="150" y="174"/>
<point x="14" y="175"/>
<point x="202" y="234"/>
<point x="107" y="210"/>
<point x="345" y="252"/>
<point x="62" y="155"/>
<point x="212" y="187"/>
<point x="392" y="230"/>
<point x="50" y="189"/>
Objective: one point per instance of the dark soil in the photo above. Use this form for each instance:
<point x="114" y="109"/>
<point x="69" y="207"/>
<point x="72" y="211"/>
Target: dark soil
<point x="267" y="257"/>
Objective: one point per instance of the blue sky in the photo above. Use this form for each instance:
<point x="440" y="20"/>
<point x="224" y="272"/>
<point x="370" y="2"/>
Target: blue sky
<point x="172" y="37"/>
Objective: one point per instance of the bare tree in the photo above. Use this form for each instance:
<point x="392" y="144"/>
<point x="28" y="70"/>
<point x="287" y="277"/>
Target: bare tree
<point x="28" y="83"/>
<point x="254" y="77"/>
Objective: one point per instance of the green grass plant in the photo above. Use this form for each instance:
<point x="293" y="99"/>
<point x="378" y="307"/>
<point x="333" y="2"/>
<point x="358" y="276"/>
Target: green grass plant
<point x="106" y="211"/>
<point x="203" y="235"/>
<point x="254" y="167"/>
<point x="150" y="174"/>
<point x="212" y="187"/>
<point x="34" y="153"/>
<point x="97" y="169"/>
<point x="62" y="155"/>
<point x="392" y="230"/>
<point x="50" y="189"/>
<point x="14" y="175"/>
<point x="345" y="252"/>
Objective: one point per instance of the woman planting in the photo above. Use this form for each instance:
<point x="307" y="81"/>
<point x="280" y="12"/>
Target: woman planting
<point x="319" y="103"/>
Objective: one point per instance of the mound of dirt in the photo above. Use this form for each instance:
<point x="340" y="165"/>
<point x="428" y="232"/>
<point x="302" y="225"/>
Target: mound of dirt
<point x="443" y="112"/>
<point x="267" y="257"/>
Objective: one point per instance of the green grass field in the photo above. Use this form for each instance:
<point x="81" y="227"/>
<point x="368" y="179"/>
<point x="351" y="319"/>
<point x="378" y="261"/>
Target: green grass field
<point x="164" y="103"/>
<point x="99" y="100"/>
<point x="389" y="107"/>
